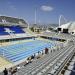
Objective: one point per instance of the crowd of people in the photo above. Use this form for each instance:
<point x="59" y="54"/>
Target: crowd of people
<point x="11" y="71"/>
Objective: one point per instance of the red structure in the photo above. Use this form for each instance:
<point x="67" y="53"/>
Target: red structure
<point x="46" y="50"/>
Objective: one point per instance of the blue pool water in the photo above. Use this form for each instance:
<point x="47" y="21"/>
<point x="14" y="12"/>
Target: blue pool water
<point x="20" y="51"/>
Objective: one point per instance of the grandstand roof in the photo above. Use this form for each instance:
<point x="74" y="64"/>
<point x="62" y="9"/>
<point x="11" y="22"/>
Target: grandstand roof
<point x="5" y="20"/>
<point x="69" y="25"/>
<point x="65" y="25"/>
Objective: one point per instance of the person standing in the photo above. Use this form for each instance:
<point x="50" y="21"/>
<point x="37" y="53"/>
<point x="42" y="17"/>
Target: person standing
<point x="5" y="72"/>
<point x="46" y="50"/>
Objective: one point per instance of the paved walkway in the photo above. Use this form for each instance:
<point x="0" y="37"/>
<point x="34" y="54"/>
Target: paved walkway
<point x="4" y="63"/>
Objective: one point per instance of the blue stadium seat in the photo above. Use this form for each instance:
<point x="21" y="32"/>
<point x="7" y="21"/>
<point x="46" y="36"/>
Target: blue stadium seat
<point x="16" y="29"/>
<point x="2" y="31"/>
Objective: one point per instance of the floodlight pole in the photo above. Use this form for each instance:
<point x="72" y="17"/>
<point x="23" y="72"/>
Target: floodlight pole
<point x="35" y="16"/>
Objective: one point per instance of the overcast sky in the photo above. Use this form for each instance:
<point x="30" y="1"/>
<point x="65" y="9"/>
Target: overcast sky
<point x="47" y="11"/>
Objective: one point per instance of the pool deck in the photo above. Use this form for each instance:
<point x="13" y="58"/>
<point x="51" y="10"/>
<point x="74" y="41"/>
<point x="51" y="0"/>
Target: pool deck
<point x="14" y="42"/>
<point x="4" y="64"/>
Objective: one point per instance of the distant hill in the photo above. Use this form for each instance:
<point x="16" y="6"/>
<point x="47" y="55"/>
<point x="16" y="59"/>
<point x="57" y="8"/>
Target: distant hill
<point x="6" y="19"/>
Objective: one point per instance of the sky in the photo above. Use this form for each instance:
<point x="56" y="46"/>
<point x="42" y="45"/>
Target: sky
<point x="47" y="11"/>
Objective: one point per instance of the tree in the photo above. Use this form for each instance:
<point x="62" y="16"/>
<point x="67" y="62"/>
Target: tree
<point x="32" y="29"/>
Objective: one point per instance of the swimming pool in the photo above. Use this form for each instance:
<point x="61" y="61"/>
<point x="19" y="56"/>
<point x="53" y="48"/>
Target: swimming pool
<point x="20" y="51"/>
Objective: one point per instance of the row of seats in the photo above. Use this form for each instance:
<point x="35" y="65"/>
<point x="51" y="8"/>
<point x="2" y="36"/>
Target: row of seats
<point x="57" y="35"/>
<point x="16" y="29"/>
<point x="56" y="67"/>
<point x="39" y="64"/>
<point x="71" y="68"/>
<point x="13" y="29"/>
<point x="2" y="31"/>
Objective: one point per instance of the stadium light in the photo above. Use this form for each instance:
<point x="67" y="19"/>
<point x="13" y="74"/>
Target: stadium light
<point x="35" y="17"/>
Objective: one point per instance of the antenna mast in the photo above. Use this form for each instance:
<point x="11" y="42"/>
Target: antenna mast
<point x="35" y="16"/>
